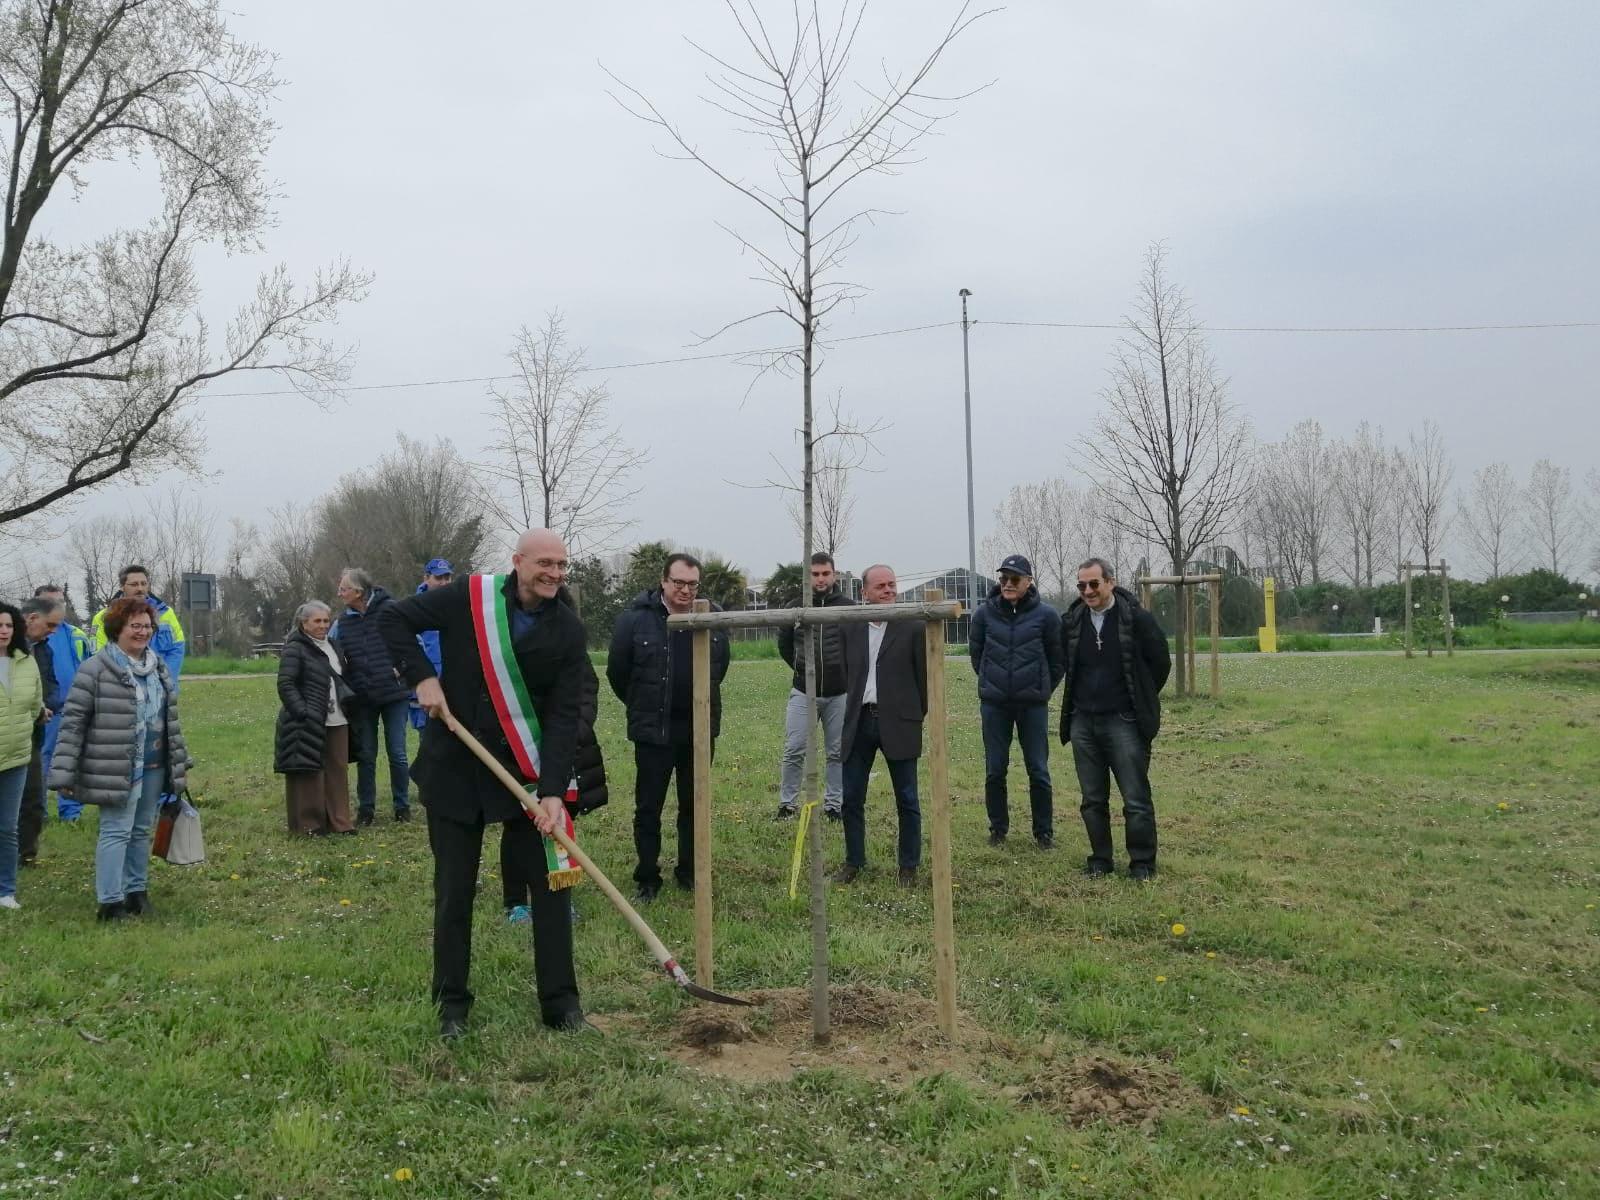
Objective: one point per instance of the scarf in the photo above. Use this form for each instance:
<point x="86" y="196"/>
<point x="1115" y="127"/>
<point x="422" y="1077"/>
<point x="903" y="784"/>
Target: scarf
<point x="148" y="692"/>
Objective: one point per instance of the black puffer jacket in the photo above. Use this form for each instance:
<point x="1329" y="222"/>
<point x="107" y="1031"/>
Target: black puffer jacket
<point x="304" y="674"/>
<point x="639" y="669"/>
<point x="828" y="650"/>
<point x="1146" y="661"/>
<point x="1016" y="649"/>
<point x="588" y="764"/>
<point x="371" y="671"/>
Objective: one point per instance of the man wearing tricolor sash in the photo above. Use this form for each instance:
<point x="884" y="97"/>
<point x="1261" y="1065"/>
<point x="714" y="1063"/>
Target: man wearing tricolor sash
<point x="515" y="669"/>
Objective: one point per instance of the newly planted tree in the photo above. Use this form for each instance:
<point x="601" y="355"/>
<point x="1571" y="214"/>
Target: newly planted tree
<point x="795" y="93"/>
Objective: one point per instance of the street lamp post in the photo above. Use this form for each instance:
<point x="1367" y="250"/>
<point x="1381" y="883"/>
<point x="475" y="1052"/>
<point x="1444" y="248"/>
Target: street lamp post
<point x="972" y="528"/>
<point x="1335" y="628"/>
<point x="1583" y="604"/>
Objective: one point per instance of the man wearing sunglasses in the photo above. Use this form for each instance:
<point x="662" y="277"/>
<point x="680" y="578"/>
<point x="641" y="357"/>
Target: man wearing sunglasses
<point x="1015" y="644"/>
<point x="1117" y="663"/>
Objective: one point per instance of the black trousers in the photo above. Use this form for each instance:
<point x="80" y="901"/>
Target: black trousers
<point x="654" y="767"/>
<point x="30" y="817"/>
<point x="457" y="850"/>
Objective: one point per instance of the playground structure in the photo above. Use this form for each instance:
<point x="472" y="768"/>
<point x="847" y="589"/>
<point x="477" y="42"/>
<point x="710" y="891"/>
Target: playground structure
<point x="1186" y="586"/>
<point x="934" y="612"/>
<point x="1442" y="570"/>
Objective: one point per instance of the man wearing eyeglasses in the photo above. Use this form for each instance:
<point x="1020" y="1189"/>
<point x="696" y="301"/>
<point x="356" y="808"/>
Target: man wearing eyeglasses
<point x="1117" y="663"/>
<point x="1015" y="644"/>
<point x="652" y="673"/>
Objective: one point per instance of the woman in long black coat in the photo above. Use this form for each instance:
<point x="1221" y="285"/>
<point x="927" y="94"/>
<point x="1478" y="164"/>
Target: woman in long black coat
<point x="311" y="748"/>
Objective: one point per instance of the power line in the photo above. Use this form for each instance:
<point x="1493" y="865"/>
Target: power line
<point x="759" y="352"/>
<point x="1317" y="328"/>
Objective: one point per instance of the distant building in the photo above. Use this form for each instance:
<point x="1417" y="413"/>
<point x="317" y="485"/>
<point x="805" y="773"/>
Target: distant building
<point x="957" y="583"/>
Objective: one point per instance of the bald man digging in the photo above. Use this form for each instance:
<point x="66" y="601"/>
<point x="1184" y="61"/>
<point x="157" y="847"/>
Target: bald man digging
<point x="515" y="674"/>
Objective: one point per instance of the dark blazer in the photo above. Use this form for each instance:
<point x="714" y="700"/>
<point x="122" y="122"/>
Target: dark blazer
<point x="902" y="687"/>
<point x="554" y="662"/>
<point x="304" y="675"/>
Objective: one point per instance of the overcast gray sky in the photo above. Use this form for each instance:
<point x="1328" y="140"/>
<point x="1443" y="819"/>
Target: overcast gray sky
<point x="1310" y="165"/>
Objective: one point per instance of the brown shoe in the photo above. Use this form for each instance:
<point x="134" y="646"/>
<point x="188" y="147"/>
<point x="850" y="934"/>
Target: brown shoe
<point x="908" y="877"/>
<point x="846" y="874"/>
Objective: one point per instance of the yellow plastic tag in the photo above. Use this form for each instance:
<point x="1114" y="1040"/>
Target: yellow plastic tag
<point x="799" y="846"/>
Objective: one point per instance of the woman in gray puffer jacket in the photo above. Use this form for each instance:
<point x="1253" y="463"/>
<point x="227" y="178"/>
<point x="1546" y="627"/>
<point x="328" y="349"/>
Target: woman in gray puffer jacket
<point x="121" y="748"/>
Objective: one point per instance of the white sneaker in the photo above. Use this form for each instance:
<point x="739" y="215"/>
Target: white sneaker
<point x="9" y="902"/>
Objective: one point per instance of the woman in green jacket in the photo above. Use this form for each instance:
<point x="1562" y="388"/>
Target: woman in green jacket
<point x="21" y="702"/>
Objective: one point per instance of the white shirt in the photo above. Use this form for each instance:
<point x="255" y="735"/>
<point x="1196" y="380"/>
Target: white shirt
<point x="875" y="631"/>
<point x="1099" y="618"/>
<point x="336" y="714"/>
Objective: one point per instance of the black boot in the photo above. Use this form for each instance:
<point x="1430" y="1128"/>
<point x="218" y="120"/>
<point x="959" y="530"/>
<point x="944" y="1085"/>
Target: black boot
<point x="115" y="911"/>
<point x="138" y="904"/>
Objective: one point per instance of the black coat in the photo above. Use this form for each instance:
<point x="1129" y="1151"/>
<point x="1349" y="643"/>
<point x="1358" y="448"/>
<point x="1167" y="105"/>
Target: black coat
<point x="1146" y="661"/>
<point x="555" y="667"/>
<point x="372" y="666"/>
<point x="639" y="669"/>
<point x="902" y="687"/>
<point x="827" y="650"/>
<point x="304" y="674"/>
<point x="1016" y="649"/>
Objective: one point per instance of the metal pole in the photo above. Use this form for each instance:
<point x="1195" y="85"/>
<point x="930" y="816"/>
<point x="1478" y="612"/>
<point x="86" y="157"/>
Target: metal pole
<point x="972" y="531"/>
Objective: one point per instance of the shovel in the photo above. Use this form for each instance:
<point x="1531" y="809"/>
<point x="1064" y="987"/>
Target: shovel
<point x="663" y="956"/>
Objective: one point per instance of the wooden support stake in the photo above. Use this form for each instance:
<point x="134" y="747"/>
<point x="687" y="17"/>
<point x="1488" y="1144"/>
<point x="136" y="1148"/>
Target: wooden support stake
<point x="1216" y="639"/>
<point x="1407" y="603"/>
<point x="703" y="965"/>
<point x="944" y="921"/>
<point x="1444" y="600"/>
<point x="1188" y="594"/>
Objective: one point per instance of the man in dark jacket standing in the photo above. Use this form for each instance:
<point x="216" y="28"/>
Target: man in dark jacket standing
<point x="1015" y="643"/>
<point x="887" y="701"/>
<point x="828" y="651"/>
<point x="534" y="637"/>
<point x="1117" y="663"/>
<point x="41" y="617"/>
<point x="380" y="695"/>
<point x="652" y="673"/>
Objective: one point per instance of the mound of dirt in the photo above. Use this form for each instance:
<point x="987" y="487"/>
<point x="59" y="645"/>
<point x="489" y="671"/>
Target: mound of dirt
<point x="884" y="1035"/>
<point x="1097" y="1088"/>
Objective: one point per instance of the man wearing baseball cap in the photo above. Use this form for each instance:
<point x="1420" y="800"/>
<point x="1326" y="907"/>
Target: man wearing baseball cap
<point x="1015" y="643"/>
<point x="436" y="574"/>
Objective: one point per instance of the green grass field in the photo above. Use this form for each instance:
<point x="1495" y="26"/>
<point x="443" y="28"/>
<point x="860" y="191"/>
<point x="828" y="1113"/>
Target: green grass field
<point x="1387" y="871"/>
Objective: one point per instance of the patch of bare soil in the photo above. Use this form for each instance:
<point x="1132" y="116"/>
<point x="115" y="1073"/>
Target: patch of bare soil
<point x="1098" y="1088"/>
<point x="894" y="1038"/>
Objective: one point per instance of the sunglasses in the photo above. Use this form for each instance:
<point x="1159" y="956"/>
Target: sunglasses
<point x="1008" y="577"/>
<point x="1089" y="585"/>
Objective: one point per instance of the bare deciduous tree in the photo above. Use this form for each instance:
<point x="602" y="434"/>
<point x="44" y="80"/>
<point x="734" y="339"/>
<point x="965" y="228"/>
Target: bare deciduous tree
<point x="834" y="507"/>
<point x="1364" y="492"/>
<point x="1488" y="515"/>
<point x="100" y="338"/>
<point x="1552" y="513"/>
<point x="413" y="504"/>
<point x="1172" y="451"/>
<point x="560" y="462"/>
<point x="287" y="568"/>
<point x="1054" y="524"/>
<point x="181" y="532"/>
<point x="100" y="547"/>
<point x="824" y="130"/>
<point x="1425" y="482"/>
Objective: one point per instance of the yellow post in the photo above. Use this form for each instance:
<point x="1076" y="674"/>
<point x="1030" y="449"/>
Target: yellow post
<point x="702" y="801"/>
<point x="944" y="921"/>
<point x="1267" y="635"/>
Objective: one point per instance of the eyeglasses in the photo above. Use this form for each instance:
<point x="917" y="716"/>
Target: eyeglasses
<point x="685" y="585"/>
<point x="1088" y="585"/>
<point x="140" y="627"/>
<point x="1008" y="578"/>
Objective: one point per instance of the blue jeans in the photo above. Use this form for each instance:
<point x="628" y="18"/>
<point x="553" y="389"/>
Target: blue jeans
<point x="1106" y="744"/>
<point x="67" y="810"/>
<point x="902" y="775"/>
<point x="12" y="781"/>
<point x="122" y="855"/>
<point x="364" y="719"/>
<point x="1032" y="723"/>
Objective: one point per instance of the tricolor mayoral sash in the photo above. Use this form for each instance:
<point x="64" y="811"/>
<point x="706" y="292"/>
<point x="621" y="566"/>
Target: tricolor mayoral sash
<point x="491" y="624"/>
